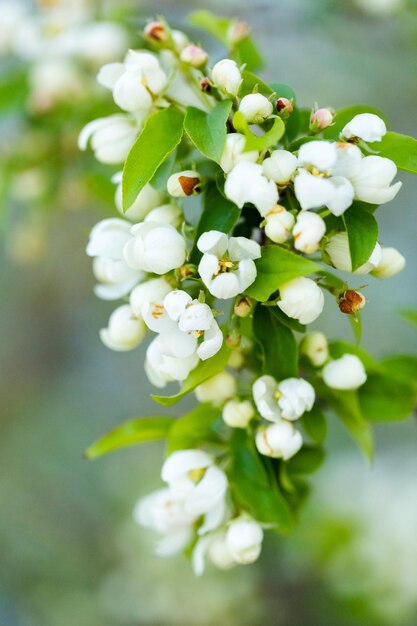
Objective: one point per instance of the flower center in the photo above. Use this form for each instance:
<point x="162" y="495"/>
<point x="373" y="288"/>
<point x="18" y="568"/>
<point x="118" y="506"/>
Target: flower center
<point x="278" y="395"/>
<point x="157" y="311"/>
<point x="197" y="474"/>
<point x="224" y="265"/>
<point x="316" y="172"/>
<point x="198" y="333"/>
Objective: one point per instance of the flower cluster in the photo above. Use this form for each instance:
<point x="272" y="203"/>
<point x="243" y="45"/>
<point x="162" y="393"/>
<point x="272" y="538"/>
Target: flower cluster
<point x="236" y="208"/>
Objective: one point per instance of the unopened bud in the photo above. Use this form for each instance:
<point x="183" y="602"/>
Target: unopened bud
<point x="351" y="301"/>
<point x="284" y="107"/>
<point x="187" y="270"/>
<point x="255" y="108"/>
<point x="237" y="32"/>
<point x="184" y="184"/>
<point x="194" y="56"/>
<point x="321" y="119"/>
<point x="243" y="307"/>
<point x="206" y="85"/>
<point x="238" y="413"/>
<point x="315" y="347"/>
<point x="391" y="263"/>
<point x="233" y="339"/>
<point x="156" y="32"/>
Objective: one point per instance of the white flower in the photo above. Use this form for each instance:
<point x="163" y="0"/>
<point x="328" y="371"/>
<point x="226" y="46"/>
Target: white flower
<point x="227" y="267"/>
<point x="312" y="191"/>
<point x="213" y="545"/>
<point x="255" y="108"/>
<point x="321" y="119"/>
<point x="193" y="476"/>
<point x="217" y="389"/>
<point x="155" y="248"/>
<point x="100" y="42"/>
<point x="163" y="366"/>
<point x="111" y="138"/>
<point x="12" y="13"/>
<point x="53" y="81"/>
<point x="315" y="347"/>
<point x="347" y="372"/>
<point x="288" y="399"/>
<point x="161" y="512"/>
<point x="124" y="331"/>
<point x="147" y="199"/>
<point x="135" y="82"/>
<point x="180" y="39"/>
<point x="392" y="262"/>
<point x="150" y="291"/>
<point x="366" y="126"/>
<point x="238" y="413"/>
<point x="338" y="251"/>
<point x="301" y="299"/>
<point x="372" y="182"/>
<point x="226" y="75"/>
<point x="279" y="441"/>
<point x="106" y="243"/>
<point x="166" y="214"/>
<point x="233" y="152"/>
<point x="244" y="539"/>
<point x="342" y="196"/>
<point x="279" y="223"/>
<point x="194" y="56"/>
<point x="319" y="154"/>
<point x="183" y="184"/>
<point x="280" y="166"/>
<point x="246" y="183"/>
<point x="308" y="232"/>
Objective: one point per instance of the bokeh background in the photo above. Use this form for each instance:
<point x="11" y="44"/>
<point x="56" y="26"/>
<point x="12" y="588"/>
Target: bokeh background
<point x="70" y="553"/>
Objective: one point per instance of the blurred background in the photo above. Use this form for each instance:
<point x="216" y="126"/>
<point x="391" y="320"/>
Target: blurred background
<point x="70" y="553"/>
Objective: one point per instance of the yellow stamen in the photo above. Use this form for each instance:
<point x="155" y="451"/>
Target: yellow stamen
<point x="197" y="474"/>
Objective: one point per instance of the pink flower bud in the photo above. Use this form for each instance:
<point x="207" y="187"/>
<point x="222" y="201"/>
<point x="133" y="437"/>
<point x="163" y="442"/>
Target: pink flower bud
<point x="237" y="32"/>
<point x="194" y="55"/>
<point x="284" y="107"/>
<point x="156" y="31"/>
<point x="321" y="119"/>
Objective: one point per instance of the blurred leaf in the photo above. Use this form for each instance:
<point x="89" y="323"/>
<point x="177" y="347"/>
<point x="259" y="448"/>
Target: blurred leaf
<point x="255" y="489"/>
<point x="284" y="91"/>
<point x="410" y="315"/>
<point x="218" y="214"/>
<point x="276" y="342"/>
<point x="247" y="53"/>
<point x="252" y="81"/>
<point x="343" y="116"/>
<point x="203" y="371"/>
<point x="13" y="90"/>
<point x="259" y="142"/>
<point x="160" y="136"/>
<point x="402" y="367"/>
<point x="362" y="230"/>
<point x="208" y="131"/>
<point x="385" y="398"/>
<point x="314" y="423"/>
<point x="401" y="149"/>
<point x="138" y="430"/>
<point x="289" y="322"/>
<point x="306" y="461"/>
<point x="339" y="348"/>
<point x="213" y="24"/>
<point x="194" y="429"/>
<point x="276" y="267"/>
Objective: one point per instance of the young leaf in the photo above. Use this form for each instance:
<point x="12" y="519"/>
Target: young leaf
<point x="194" y="429"/>
<point x="401" y="149"/>
<point x="346" y="115"/>
<point x="164" y="171"/>
<point x="160" y="136"/>
<point x="384" y="398"/>
<point x="256" y="490"/>
<point x="138" y="430"/>
<point x="259" y="142"/>
<point x="208" y="131"/>
<point x="315" y="425"/>
<point x="276" y="267"/>
<point x="362" y="231"/>
<point x="203" y="371"/>
<point x="247" y="53"/>
<point x="410" y="315"/>
<point x="307" y="461"/>
<point x="250" y="82"/>
<point x="277" y="344"/>
<point x="284" y="91"/>
<point x="209" y="22"/>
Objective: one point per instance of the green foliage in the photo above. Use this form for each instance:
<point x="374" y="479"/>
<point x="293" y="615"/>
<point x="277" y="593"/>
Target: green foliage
<point x="13" y="90"/>
<point x="259" y="142"/>
<point x="276" y="267"/>
<point x="195" y="429"/>
<point x="246" y="53"/>
<point x="276" y="343"/>
<point x="307" y="461"/>
<point x="314" y="424"/>
<point x="252" y="83"/>
<point x="255" y="488"/>
<point x="390" y="395"/>
<point x="284" y="91"/>
<point x="203" y="371"/>
<point x="362" y="231"/>
<point x="208" y="131"/>
<point x="410" y="315"/>
<point x="130" y="433"/>
<point x="160" y="136"/>
<point x="401" y="149"/>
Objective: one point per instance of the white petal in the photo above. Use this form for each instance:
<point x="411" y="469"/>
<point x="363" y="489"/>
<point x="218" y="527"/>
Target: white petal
<point x="176" y="302"/>
<point x="213" y="242"/>
<point x="213" y="340"/>
<point x="311" y="191"/>
<point x="109" y="74"/>
<point x="243" y="248"/>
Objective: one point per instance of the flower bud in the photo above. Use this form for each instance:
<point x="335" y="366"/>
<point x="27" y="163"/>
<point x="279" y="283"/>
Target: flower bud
<point x="153" y="290"/>
<point x="226" y="75"/>
<point x="244" y="539"/>
<point x="238" y="414"/>
<point x="301" y="299"/>
<point x="337" y="249"/>
<point x="237" y="32"/>
<point x="156" y="32"/>
<point x="279" y="441"/>
<point x="184" y="184"/>
<point x="315" y="347"/>
<point x="243" y="307"/>
<point x="233" y="339"/>
<point x="279" y="223"/>
<point x="308" y="232"/>
<point x="284" y="107"/>
<point x="321" y="119"/>
<point x="124" y="332"/>
<point x="140" y="251"/>
<point x="206" y="85"/>
<point x="255" y="108"/>
<point x="217" y="389"/>
<point x="280" y="166"/>
<point x="392" y="262"/>
<point x="166" y="214"/>
<point x="194" y="56"/>
<point x="219" y="553"/>
<point x="345" y="373"/>
<point x="366" y="126"/>
<point x="180" y="39"/>
<point x="236" y="359"/>
<point x="351" y="301"/>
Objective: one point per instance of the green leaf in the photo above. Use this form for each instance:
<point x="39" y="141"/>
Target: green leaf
<point x="284" y="91"/>
<point x="194" y="429"/>
<point x="218" y="214"/>
<point x="277" y="344"/>
<point x="289" y="322"/>
<point x="362" y="231"/>
<point x="164" y="171"/>
<point x="160" y="136"/>
<point x="410" y="315"/>
<point x="315" y="425"/>
<point x="385" y="398"/>
<point x="208" y="131"/>
<point x="256" y="489"/>
<point x="203" y="371"/>
<point x="259" y="142"/>
<point x="401" y="149"/>
<point x="402" y="367"/>
<point x="13" y="90"/>
<point x="345" y="115"/>
<point x="339" y="348"/>
<point x="306" y="461"/>
<point x="252" y="82"/>
<point x="209" y="22"/>
<point x="247" y="53"/>
<point x="138" y="430"/>
<point x="276" y="267"/>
